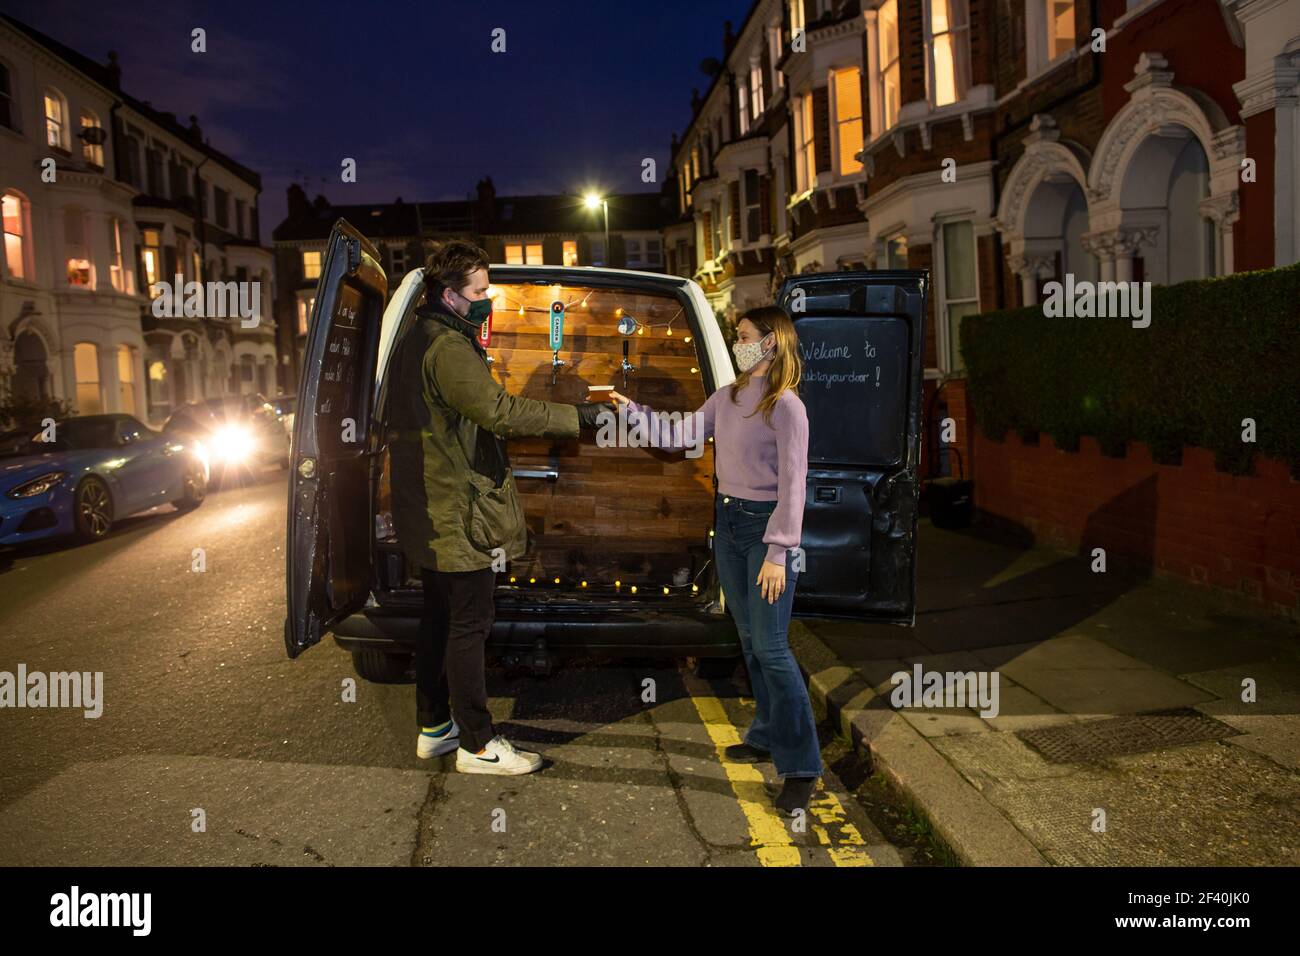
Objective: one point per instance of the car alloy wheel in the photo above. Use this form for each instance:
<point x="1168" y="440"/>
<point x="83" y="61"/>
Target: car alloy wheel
<point x="94" y="509"/>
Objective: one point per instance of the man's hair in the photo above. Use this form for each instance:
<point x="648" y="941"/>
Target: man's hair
<point x="451" y="263"/>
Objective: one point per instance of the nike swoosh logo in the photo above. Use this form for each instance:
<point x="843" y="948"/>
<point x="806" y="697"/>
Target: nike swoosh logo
<point x="496" y="759"/>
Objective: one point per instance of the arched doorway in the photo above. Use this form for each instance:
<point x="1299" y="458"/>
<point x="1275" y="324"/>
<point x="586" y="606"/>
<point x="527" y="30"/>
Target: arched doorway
<point x="31" y="381"/>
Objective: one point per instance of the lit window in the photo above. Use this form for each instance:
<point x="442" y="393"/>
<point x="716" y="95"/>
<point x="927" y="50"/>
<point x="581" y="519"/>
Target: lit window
<point x="15" y="249"/>
<point x="514" y="254"/>
<point x="742" y="110"/>
<point x="86" y="361"/>
<point x="896" y="253"/>
<point x="1060" y="27"/>
<point x="78" y="260"/>
<point x="949" y="42"/>
<point x="533" y="254"/>
<point x="887" y="45"/>
<point x="796" y="17"/>
<point x="774" y="55"/>
<point x="151" y="255"/>
<point x="570" y="252"/>
<point x="91" y="152"/>
<point x="56" y="123"/>
<point x="311" y="265"/>
<point x="125" y="379"/>
<point x="756" y="87"/>
<point x="846" y="84"/>
<point x="305" y="305"/>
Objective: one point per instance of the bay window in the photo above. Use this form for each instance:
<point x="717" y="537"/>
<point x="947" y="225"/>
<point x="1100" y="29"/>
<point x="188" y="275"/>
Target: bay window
<point x="14" y="211"/>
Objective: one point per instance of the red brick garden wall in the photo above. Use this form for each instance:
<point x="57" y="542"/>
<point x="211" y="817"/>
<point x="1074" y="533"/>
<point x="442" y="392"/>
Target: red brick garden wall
<point x="1240" y="534"/>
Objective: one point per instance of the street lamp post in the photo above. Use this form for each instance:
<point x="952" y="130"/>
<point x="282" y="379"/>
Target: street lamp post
<point x="592" y="201"/>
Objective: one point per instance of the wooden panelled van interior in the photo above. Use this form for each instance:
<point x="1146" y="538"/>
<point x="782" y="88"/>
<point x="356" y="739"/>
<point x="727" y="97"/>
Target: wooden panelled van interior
<point x="640" y="516"/>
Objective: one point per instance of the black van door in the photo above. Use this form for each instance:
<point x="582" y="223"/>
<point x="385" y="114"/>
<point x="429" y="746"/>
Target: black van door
<point x="327" y="557"/>
<point x="861" y="337"/>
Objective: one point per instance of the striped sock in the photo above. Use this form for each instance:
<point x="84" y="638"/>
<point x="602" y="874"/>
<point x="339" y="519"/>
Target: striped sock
<point x="437" y="731"/>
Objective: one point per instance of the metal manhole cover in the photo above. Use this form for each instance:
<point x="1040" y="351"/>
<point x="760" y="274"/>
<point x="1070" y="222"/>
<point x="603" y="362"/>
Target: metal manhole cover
<point x="1131" y="734"/>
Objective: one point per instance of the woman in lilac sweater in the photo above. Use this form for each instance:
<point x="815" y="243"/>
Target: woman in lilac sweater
<point x="760" y="430"/>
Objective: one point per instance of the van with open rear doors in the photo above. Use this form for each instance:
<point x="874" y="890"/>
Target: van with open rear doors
<point x="620" y="539"/>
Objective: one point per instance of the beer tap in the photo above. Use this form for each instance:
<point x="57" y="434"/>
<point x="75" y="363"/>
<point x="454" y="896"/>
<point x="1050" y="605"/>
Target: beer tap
<point x="626" y="366"/>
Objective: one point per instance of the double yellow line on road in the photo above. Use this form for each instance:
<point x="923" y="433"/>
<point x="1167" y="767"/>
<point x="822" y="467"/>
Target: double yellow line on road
<point x="767" y="832"/>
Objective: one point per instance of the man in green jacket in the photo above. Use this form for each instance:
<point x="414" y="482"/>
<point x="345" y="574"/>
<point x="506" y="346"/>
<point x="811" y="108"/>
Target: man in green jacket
<point x="455" y="508"/>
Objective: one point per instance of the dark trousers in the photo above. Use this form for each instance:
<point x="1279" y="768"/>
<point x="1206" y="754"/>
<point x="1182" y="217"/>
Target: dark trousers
<point x="450" y="670"/>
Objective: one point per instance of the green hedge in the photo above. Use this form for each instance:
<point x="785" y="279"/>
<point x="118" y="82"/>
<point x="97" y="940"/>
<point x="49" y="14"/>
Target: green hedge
<point x="1216" y="351"/>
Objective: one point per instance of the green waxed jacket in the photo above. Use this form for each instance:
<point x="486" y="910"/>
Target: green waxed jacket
<point x="453" y="494"/>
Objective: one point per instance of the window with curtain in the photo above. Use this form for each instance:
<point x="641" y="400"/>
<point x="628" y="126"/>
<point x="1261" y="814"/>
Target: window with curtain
<point x="570" y="252"/>
<point x="125" y="379"/>
<point x="805" y="153"/>
<point x="846" y="87"/>
<point x="56" y="119"/>
<point x="960" y="289"/>
<point x="949" y="48"/>
<point x="756" y="87"/>
<point x="80" y="272"/>
<point x="91" y="152"/>
<point x="85" y="359"/>
<point x="887" y="85"/>
<point x="14" y="214"/>
<point x="311" y="264"/>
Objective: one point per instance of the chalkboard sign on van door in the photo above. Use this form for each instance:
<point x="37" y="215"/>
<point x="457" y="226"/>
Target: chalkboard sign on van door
<point x="861" y="338"/>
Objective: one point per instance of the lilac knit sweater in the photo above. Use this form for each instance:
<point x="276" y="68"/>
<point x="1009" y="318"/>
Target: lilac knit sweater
<point x="753" y="460"/>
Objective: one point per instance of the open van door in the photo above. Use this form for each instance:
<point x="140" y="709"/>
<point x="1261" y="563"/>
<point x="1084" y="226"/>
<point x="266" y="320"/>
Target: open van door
<point x="861" y="338"/>
<point x="327" y="557"/>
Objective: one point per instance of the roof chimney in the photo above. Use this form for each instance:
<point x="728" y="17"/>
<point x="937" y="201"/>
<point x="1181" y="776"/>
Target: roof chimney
<point x="728" y="38"/>
<point x="196" y="135"/>
<point x="114" y="72"/>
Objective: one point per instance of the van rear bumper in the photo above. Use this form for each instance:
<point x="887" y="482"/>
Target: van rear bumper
<point x="663" y="633"/>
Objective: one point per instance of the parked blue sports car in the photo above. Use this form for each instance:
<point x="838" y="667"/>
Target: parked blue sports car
<point x="97" y="468"/>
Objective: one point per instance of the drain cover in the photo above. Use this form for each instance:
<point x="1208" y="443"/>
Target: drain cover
<point x="1132" y="734"/>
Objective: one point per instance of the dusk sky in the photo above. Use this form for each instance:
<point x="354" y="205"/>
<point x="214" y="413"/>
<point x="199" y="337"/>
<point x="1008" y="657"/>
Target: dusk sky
<point x="412" y="91"/>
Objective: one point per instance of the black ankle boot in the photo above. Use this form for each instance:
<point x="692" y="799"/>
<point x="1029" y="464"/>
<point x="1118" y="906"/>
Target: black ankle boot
<point x="795" y="794"/>
<point x="744" y="753"/>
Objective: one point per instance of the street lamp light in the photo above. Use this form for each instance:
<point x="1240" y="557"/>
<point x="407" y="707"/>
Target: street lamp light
<point x="592" y="201"/>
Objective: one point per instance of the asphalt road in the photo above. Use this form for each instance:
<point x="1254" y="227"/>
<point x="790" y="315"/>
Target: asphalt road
<point x="214" y="749"/>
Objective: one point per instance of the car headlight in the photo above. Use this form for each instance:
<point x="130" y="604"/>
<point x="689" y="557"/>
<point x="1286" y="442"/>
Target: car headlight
<point x="233" y="443"/>
<point x="38" y="486"/>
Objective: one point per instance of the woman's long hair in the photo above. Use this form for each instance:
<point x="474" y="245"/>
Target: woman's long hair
<point x="787" y="367"/>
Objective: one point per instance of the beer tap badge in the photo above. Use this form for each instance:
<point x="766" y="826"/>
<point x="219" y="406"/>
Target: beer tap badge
<point x="557" y="325"/>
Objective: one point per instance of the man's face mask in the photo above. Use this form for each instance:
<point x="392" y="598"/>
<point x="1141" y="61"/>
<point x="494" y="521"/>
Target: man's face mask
<point x="478" y="311"/>
<point x="749" y="354"/>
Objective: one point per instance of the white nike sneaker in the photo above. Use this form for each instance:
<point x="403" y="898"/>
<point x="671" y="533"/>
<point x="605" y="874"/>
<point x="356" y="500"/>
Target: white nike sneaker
<point x="435" y="745"/>
<point x="499" y="756"/>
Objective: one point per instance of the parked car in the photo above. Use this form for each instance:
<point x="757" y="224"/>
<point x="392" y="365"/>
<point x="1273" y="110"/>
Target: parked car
<point x="862" y="339"/>
<point x="239" y="432"/>
<point x="97" y="469"/>
<point x="284" y="406"/>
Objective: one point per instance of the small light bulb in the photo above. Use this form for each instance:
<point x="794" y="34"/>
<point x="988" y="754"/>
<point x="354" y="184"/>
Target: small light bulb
<point x="695" y="587"/>
<point x="665" y="590"/>
<point x="557" y="580"/>
<point x="512" y="579"/>
<point x="687" y="339"/>
<point x="532" y="580"/>
<point x="634" y="589"/>
<point x="618" y="584"/>
<point x="584" y="584"/>
<point x="670" y="330"/>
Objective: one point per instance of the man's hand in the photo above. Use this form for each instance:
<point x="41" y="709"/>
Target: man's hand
<point x="771" y="580"/>
<point x="589" y="413"/>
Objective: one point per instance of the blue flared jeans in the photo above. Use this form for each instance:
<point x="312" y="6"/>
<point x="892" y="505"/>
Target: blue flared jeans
<point x="783" y="719"/>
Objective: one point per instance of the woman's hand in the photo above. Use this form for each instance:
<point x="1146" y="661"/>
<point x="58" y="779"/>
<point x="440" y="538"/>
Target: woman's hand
<point x="771" y="581"/>
<point x="617" y="398"/>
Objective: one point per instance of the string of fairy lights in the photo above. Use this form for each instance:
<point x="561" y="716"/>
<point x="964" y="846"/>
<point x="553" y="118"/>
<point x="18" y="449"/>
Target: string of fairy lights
<point x="523" y="308"/>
